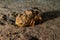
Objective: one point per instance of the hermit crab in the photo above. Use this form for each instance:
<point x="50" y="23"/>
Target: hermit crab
<point x="28" y="17"/>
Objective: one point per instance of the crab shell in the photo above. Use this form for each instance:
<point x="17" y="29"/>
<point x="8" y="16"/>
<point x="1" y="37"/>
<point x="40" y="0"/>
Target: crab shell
<point x="26" y="19"/>
<point x="21" y="20"/>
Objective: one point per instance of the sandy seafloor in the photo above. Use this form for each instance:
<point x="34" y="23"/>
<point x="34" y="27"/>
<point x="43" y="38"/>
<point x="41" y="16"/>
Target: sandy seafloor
<point x="48" y="30"/>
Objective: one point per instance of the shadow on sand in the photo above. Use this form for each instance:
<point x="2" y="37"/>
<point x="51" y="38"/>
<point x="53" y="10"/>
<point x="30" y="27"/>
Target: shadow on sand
<point x="50" y="15"/>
